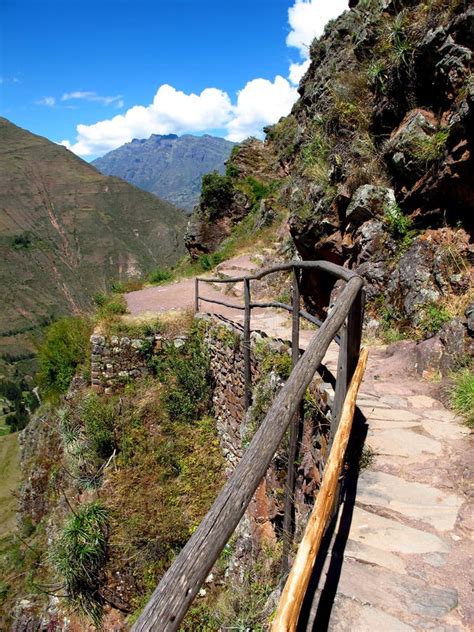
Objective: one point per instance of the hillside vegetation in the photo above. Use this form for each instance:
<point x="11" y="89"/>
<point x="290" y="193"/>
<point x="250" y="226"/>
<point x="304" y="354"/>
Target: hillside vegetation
<point x="67" y="232"/>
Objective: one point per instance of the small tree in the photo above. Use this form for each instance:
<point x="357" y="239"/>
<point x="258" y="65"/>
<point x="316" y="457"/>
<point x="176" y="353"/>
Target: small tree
<point x="216" y="193"/>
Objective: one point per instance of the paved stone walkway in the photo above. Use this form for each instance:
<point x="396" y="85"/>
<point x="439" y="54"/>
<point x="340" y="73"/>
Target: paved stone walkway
<point x="404" y="559"/>
<point x="401" y="555"/>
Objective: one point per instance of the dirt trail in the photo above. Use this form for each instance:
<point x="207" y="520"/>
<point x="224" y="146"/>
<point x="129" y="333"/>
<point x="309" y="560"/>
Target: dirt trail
<point x="400" y="558"/>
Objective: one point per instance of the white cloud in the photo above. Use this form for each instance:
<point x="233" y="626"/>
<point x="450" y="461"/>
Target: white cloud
<point x="93" y="96"/>
<point x="297" y="71"/>
<point x="171" y="111"/>
<point x="50" y="102"/>
<point x="307" y="20"/>
<point x="259" y="103"/>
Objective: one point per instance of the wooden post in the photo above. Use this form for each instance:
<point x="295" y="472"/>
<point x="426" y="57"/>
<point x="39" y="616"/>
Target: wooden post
<point x="288" y="611"/>
<point x="293" y="439"/>
<point x="196" y="295"/>
<point x="246" y="344"/>
<point x="351" y="336"/>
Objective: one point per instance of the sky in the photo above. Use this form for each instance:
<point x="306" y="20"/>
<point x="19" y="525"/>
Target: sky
<point x="93" y="75"/>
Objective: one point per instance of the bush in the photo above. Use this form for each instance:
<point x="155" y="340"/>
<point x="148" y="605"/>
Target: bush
<point x="216" y="194"/>
<point x="21" y="242"/>
<point x="185" y="371"/>
<point x="160" y="275"/>
<point x="462" y="395"/>
<point x="64" y="350"/>
<point x="79" y="555"/>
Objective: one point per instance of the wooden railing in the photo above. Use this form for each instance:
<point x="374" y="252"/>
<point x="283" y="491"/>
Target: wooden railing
<point x="180" y="584"/>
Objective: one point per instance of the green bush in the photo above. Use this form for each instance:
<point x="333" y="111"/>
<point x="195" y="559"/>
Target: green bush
<point x="78" y="557"/>
<point x="216" y="193"/>
<point x="160" y="275"/>
<point x="462" y="395"/>
<point x="185" y="371"/>
<point x="64" y="350"/>
<point x="21" y="242"/>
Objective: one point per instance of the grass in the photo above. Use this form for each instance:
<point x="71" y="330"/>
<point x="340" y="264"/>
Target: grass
<point x="9" y="481"/>
<point x="78" y="557"/>
<point x="462" y="395"/>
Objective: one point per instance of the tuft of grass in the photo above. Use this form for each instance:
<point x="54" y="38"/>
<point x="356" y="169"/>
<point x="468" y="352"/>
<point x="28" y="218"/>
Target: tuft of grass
<point x="397" y="223"/>
<point x="433" y="318"/>
<point x="462" y="395"/>
<point x="78" y="557"/>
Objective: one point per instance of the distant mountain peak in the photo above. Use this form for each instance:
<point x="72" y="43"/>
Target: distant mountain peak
<point x="168" y="165"/>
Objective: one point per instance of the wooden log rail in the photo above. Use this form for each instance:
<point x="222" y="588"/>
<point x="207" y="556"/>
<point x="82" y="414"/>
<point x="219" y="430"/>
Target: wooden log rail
<point x="289" y="607"/>
<point x="179" y="585"/>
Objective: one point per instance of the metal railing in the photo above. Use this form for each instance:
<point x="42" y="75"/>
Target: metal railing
<point x="180" y="584"/>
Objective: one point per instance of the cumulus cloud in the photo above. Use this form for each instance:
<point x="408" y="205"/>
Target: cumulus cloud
<point x="94" y="97"/>
<point x="261" y="102"/>
<point x="171" y="111"/>
<point x="297" y="71"/>
<point x="307" y="19"/>
<point x="50" y="102"/>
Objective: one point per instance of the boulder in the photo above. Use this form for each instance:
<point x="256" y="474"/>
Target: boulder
<point x="368" y="202"/>
<point x="469" y="314"/>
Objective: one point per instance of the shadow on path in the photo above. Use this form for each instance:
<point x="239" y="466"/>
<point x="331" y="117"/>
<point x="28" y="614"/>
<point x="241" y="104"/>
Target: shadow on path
<point x="317" y="606"/>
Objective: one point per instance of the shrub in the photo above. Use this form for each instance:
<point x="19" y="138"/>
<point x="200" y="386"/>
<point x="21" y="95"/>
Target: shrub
<point x="21" y="242"/>
<point x="185" y="371"/>
<point x="160" y="275"/>
<point x="462" y="395"/>
<point x="216" y="193"/>
<point x="79" y="555"/>
<point x="63" y="351"/>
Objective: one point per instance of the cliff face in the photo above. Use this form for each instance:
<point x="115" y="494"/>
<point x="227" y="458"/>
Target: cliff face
<point x="66" y="232"/>
<point x="375" y="159"/>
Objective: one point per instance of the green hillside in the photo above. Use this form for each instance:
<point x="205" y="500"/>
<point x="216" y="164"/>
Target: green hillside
<point x="67" y="231"/>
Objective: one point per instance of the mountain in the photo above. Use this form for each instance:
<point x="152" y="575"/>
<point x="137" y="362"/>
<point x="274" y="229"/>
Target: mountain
<point x="66" y="232"/>
<point x="169" y="166"/>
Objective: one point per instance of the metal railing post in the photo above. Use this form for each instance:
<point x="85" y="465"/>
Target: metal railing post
<point x="246" y="345"/>
<point x="294" y="426"/>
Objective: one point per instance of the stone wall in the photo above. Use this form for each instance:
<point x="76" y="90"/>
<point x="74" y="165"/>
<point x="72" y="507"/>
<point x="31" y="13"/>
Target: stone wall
<point x="223" y="341"/>
<point x="115" y="360"/>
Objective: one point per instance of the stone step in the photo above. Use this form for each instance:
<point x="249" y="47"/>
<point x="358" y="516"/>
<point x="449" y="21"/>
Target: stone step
<point x="411" y="600"/>
<point x="411" y="446"/>
<point x="413" y="500"/>
<point x="350" y="615"/>
<point x="391" y="535"/>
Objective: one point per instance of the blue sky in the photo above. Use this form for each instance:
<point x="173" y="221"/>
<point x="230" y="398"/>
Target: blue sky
<point x="123" y="68"/>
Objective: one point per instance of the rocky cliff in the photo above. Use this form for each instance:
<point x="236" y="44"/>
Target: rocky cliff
<point x="374" y="162"/>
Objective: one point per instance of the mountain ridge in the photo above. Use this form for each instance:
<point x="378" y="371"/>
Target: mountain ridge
<point x="168" y="165"/>
<point x="67" y="232"/>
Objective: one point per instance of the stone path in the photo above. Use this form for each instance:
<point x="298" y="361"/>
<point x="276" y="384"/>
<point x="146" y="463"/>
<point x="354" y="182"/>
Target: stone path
<point x="404" y="562"/>
<point x="400" y="559"/>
